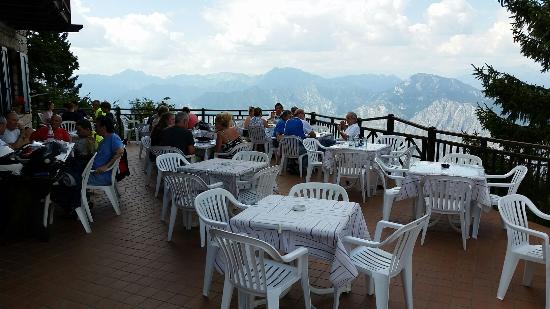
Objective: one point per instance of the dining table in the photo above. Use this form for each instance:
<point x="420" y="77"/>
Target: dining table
<point x="288" y="222"/>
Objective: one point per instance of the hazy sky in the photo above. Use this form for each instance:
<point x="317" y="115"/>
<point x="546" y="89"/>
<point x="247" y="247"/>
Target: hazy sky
<point x="329" y="38"/>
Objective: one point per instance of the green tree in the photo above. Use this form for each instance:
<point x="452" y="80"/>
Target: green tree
<point x="51" y="67"/>
<point x="146" y="107"/>
<point x="525" y="108"/>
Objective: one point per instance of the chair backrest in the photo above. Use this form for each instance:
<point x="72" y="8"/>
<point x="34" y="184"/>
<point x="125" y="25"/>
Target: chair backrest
<point x="185" y="188"/>
<point x="319" y="190"/>
<point x="513" y="210"/>
<point x="447" y="194"/>
<point x="254" y="156"/>
<point x="159" y="150"/>
<point x="387" y="172"/>
<point x="257" y="134"/>
<point x="404" y="239"/>
<point x="245" y="260"/>
<point x="86" y="172"/>
<point x="351" y="163"/>
<point x="169" y="162"/>
<point x="212" y="208"/>
<point x="241" y="147"/>
<point x="264" y="181"/>
<point x="146" y="142"/>
<point x="395" y="142"/>
<point x="69" y="126"/>
<point x="401" y="159"/>
<point x="290" y="146"/>
<point x="312" y="146"/>
<point x="462" y="158"/>
<point x="519" y="173"/>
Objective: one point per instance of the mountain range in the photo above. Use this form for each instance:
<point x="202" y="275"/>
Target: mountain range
<point x="423" y="98"/>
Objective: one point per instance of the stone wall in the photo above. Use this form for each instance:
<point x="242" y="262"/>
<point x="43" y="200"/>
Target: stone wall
<point x="13" y="39"/>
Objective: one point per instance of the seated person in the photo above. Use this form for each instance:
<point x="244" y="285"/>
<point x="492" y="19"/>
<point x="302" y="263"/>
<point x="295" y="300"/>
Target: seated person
<point x="70" y="114"/>
<point x="227" y="136"/>
<point x="58" y="132"/>
<point x="276" y="115"/>
<point x="257" y="120"/>
<point x="154" y="120"/>
<point x="46" y="115"/>
<point x="108" y="151"/>
<point x="165" y="121"/>
<point x="193" y="119"/>
<point x="178" y="135"/>
<point x="295" y="126"/>
<point x="279" y="130"/>
<point x="88" y="140"/>
<point x="308" y="130"/>
<point x="106" y="109"/>
<point x="247" y="120"/>
<point x="96" y="109"/>
<point x="349" y="129"/>
<point x="12" y="133"/>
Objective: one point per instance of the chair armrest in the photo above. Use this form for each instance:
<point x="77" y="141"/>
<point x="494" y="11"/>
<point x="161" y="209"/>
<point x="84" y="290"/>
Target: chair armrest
<point x="216" y="224"/>
<point x="361" y="242"/>
<point x="381" y="225"/>
<point x="215" y="185"/>
<point x="530" y="232"/>
<point x="501" y="176"/>
<point x="294" y="255"/>
<point x="539" y="213"/>
<point x="191" y="158"/>
<point x="499" y="184"/>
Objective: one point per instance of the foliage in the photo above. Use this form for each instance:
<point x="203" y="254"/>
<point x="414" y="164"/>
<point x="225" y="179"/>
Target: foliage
<point x="51" y="67"/>
<point x="146" y="107"/>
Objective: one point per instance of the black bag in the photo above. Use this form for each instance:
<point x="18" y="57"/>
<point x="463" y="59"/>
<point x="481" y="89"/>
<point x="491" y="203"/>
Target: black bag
<point x="42" y="160"/>
<point x="201" y="125"/>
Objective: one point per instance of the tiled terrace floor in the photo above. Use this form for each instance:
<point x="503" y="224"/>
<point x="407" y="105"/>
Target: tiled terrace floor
<point x="127" y="263"/>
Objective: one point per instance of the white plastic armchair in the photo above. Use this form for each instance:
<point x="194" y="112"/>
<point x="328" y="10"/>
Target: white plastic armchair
<point x="110" y="190"/>
<point x="396" y="143"/>
<point x="448" y="196"/>
<point x="69" y="126"/>
<point x="517" y="174"/>
<point x="381" y="265"/>
<point x="183" y="188"/>
<point x="241" y="147"/>
<point x="212" y="206"/>
<point x="315" y="157"/>
<point x="462" y="158"/>
<point x="262" y="184"/>
<point x="258" y="137"/>
<point x="387" y="174"/>
<point x="353" y="165"/>
<point x="256" y="269"/>
<point x="319" y="190"/>
<point x="254" y="156"/>
<point x="399" y="159"/>
<point x="289" y="148"/>
<point x="513" y="211"/>
<point x="145" y="144"/>
<point x="168" y="162"/>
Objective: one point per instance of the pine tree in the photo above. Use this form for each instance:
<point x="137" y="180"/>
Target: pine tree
<point x="51" y="67"/>
<point x="525" y="108"/>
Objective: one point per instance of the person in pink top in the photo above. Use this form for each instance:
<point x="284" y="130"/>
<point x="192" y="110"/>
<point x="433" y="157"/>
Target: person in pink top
<point x="193" y="119"/>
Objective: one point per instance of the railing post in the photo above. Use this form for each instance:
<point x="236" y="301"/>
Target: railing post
<point x="361" y="129"/>
<point x="203" y="114"/>
<point x="312" y="120"/>
<point x="390" y="125"/>
<point x="431" y="144"/>
<point x="333" y="128"/>
<point x="483" y="149"/>
<point x="119" y="122"/>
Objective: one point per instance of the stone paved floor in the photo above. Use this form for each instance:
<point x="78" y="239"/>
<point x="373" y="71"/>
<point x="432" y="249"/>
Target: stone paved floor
<point x="127" y="263"/>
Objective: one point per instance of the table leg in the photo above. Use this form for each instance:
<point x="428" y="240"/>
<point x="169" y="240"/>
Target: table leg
<point x="476" y="214"/>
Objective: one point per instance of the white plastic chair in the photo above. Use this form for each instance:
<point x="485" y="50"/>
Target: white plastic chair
<point x="184" y="188"/>
<point x="254" y="156"/>
<point x="257" y="137"/>
<point x="386" y="174"/>
<point x="319" y="190"/>
<point x="513" y="211"/>
<point x="399" y="159"/>
<point x="110" y="190"/>
<point x="461" y="158"/>
<point x="353" y="165"/>
<point x="241" y="147"/>
<point x="160" y="150"/>
<point x="168" y="162"/>
<point x="145" y="144"/>
<point x="315" y="157"/>
<point x="289" y="147"/>
<point x="381" y="265"/>
<point x="69" y="126"/>
<point x="262" y="184"/>
<point x="396" y="143"/>
<point x="256" y="269"/>
<point x="448" y="196"/>
<point x="212" y="206"/>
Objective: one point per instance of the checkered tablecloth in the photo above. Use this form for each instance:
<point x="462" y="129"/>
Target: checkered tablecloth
<point x="371" y="150"/>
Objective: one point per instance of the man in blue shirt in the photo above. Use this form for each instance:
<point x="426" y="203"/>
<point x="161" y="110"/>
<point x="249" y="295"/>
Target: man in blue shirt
<point x="279" y="130"/>
<point x="108" y="151"/>
<point x="294" y="126"/>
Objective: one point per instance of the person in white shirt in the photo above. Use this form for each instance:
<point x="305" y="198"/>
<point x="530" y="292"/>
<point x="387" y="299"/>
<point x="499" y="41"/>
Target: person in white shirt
<point x="308" y="130"/>
<point x="10" y="132"/>
<point x="349" y="129"/>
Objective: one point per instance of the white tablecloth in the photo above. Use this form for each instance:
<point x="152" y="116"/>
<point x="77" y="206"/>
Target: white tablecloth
<point x="480" y="190"/>
<point x="370" y="149"/>
<point x="205" y="146"/>
<point x="225" y="170"/>
<point x="320" y="228"/>
<point x="65" y="155"/>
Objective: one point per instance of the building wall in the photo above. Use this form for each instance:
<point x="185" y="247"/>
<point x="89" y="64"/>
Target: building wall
<point x="13" y="39"/>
